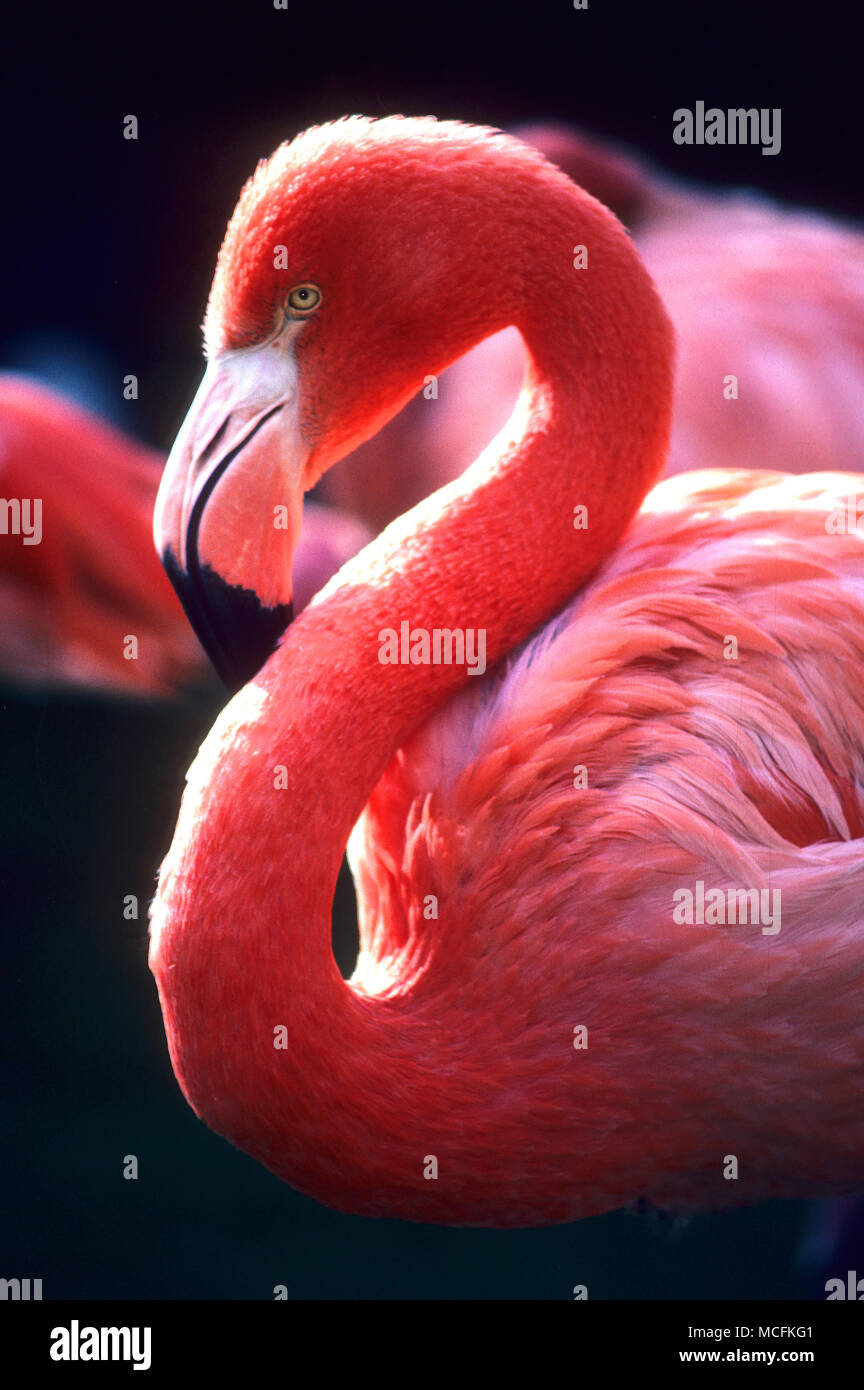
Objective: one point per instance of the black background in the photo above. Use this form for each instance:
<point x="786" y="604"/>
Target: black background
<point x="109" y="250"/>
<point x="113" y="242"/>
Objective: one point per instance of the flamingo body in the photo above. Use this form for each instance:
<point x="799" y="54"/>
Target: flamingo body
<point x="555" y="904"/>
<point x="697" y="659"/>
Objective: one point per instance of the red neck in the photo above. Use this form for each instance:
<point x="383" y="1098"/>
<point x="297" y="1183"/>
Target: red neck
<point x="242" y="925"/>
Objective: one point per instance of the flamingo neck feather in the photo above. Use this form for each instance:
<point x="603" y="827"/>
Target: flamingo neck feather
<point x="241" y="930"/>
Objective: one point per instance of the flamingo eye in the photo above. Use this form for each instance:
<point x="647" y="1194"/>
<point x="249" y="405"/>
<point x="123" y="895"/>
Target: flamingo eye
<point x="303" y="300"/>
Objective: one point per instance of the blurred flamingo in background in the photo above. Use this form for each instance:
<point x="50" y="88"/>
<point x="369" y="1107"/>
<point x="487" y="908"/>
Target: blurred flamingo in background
<point x="503" y="905"/>
<point x="771" y="296"/>
<point x="69" y="604"/>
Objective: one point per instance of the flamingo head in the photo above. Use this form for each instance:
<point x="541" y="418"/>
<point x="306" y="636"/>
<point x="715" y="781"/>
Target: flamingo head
<point x="362" y="258"/>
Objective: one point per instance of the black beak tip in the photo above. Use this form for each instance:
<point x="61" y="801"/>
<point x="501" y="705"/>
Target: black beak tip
<point x="237" y="632"/>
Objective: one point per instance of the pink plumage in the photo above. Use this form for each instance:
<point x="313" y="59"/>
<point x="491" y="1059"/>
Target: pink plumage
<point x="746" y="771"/>
<point x="532" y="1033"/>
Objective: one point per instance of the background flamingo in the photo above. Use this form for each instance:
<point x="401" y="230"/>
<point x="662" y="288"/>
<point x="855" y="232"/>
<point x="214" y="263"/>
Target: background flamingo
<point x="68" y="604"/>
<point x="554" y="907"/>
<point x="771" y="295"/>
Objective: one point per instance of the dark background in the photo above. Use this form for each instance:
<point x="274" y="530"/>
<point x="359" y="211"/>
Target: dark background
<point x="109" y="250"/>
<point x="112" y="243"/>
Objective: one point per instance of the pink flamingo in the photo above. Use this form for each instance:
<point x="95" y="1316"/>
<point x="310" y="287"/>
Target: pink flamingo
<point x="73" y="595"/>
<point x="673" y="699"/>
<point x="771" y="297"/>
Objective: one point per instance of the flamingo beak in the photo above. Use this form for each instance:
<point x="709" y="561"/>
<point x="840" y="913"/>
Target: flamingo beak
<point x="229" y="508"/>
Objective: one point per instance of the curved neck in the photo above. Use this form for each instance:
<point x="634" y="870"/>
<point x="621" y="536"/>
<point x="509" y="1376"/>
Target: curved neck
<point x="242" y="925"/>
